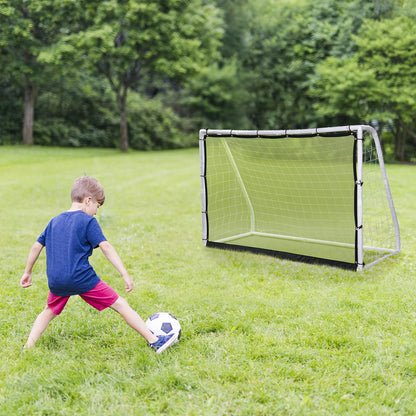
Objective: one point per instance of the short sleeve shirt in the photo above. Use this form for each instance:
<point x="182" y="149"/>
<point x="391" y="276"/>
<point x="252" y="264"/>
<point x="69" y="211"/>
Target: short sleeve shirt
<point x="69" y="239"/>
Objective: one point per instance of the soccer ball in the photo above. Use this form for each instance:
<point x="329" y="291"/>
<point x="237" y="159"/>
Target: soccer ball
<point x="163" y="323"/>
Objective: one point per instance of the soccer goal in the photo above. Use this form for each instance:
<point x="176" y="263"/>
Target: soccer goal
<point x="311" y="195"/>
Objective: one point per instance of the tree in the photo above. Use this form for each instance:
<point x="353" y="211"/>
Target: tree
<point x="377" y="83"/>
<point x="285" y="43"/>
<point x="388" y="48"/>
<point x="20" y="39"/>
<point x="129" y="41"/>
<point x="26" y="27"/>
<point x="346" y="92"/>
<point x="235" y="15"/>
<point x="214" y="98"/>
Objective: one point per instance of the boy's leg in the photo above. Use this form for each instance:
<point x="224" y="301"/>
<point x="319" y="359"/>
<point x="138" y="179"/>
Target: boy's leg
<point x="103" y="296"/>
<point x="133" y="319"/>
<point x="54" y="307"/>
<point x="41" y="323"/>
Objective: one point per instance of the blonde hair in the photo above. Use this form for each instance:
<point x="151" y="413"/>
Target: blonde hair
<point x="86" y="186"/>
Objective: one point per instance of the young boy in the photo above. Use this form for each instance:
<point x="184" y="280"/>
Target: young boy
<point x="70" y="239"/>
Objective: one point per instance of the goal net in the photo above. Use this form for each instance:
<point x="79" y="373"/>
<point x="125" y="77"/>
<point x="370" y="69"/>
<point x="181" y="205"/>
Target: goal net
<point x="316" y="194"/>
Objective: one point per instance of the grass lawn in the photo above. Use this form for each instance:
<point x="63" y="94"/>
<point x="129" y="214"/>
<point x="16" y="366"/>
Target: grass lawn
<point x="261" y="336"/>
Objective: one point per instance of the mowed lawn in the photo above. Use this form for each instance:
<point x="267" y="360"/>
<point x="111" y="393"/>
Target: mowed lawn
<point x="261" y="336"/>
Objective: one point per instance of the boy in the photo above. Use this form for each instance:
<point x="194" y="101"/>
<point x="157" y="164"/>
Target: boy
<point x="70" y="239"/>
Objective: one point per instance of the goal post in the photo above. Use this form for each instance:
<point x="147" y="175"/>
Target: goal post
<point x="312" y="195"/>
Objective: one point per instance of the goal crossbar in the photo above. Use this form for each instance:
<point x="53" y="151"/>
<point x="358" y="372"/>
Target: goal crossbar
<point x="248" y="187"/>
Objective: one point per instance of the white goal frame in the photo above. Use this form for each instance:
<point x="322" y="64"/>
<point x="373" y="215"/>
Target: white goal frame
<point x="357" y="131"/>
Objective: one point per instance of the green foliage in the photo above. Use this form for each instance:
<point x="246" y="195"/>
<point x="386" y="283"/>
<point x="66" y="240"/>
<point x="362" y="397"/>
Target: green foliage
<point x="387" y="48"/>
<point x="236" y="16"/>
<point x="342" y="82"/>
<point x="261" y="336"/>
<point x="215" y="98"/>
<point x="80" y="112"/>
<point x="152" y="125"/>
<point x="10" y="113"/>
<point x="26" y="29"/>
<point x="124" y="41"/>
<point x="379" y="78"/>
<point x="288" y="41"/>
<point x="57" y="132"/>
<point x="205" y="63"/>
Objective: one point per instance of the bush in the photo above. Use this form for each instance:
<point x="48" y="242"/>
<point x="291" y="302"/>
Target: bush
<point x="152" y="125"/>
<point x="58" y="132"/>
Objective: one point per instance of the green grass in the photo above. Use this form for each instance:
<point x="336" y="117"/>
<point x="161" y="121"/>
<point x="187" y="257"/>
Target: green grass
<point x="261" y="336"/>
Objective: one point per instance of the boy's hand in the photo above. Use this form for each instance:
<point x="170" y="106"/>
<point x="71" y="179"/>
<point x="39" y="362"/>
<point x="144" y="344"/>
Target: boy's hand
<point x="115" y="260"/>
<point x="129" y="283"/>
<point x="26" y="280"/>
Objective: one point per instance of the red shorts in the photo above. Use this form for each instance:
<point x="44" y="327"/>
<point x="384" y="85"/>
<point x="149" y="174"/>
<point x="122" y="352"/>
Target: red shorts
<point x="100" y="297"/>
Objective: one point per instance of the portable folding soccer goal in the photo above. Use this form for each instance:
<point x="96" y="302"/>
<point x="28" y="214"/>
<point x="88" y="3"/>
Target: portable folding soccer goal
<point x="312" y="195"/>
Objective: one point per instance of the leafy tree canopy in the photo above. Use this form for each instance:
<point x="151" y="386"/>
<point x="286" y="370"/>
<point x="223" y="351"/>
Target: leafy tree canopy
<point x="125" y="40"/>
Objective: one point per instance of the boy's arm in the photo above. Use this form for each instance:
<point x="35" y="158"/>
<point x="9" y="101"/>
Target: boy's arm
<point x="26" y="279"/>
<point x="112" y="256"/>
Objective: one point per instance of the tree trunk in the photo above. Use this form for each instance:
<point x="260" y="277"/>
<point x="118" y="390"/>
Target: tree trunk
<point x="380" y="135"/>
<point x="122" y="105"/>
<point x="400" y="143"/>
<point x="30" y="94"/>
<point x="402" y="151"/>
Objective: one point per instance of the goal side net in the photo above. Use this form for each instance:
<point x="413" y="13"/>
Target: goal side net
<point x="312" y="195"/>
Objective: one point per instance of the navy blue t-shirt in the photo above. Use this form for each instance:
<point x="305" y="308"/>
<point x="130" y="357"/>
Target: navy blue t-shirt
<point x="69" y="239"/>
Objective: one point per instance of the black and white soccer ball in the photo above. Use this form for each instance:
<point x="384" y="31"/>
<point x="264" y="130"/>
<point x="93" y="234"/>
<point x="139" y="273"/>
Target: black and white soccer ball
<point x="163" y="323"/>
